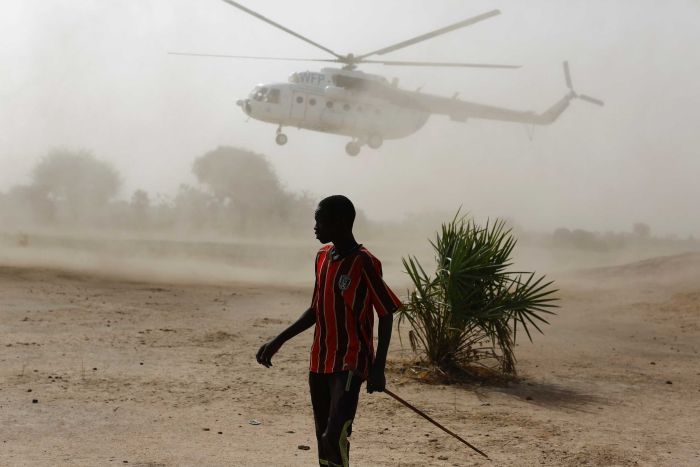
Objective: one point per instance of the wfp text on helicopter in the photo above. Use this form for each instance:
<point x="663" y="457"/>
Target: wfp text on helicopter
<point x="367" y="107"/>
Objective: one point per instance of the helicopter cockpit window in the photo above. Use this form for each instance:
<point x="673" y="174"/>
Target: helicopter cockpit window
<point x="273" y="96"/>
<point x="259" y="93"/>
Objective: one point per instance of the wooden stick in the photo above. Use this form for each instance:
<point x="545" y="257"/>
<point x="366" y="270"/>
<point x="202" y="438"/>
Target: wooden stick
<point x="422" y="414"/>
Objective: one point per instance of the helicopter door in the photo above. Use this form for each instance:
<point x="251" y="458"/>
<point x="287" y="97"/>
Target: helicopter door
<point x="298" y="110"/>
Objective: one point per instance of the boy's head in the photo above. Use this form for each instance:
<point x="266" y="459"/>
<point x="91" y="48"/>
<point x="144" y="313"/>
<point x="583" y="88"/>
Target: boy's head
<point x="334" y="218"/>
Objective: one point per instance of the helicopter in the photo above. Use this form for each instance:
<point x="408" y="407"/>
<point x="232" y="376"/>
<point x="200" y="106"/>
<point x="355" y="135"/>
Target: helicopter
<point x="368" y="107"/>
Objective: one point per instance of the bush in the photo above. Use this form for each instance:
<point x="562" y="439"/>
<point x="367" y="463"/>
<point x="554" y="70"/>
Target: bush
<point x="470" y="310"/>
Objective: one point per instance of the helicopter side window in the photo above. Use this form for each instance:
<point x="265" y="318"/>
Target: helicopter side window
<point x="300" y="99"/>
<point x="312" y="101"/>
<point x="273" y="97"/>
<point x="329" y="104"/>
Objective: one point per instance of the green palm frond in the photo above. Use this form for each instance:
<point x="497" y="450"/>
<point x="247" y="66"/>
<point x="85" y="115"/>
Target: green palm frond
<point x="471" y="308"/>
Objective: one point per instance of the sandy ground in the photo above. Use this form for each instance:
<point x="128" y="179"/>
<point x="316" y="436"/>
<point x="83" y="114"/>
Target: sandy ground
<point x="162" y="373"/>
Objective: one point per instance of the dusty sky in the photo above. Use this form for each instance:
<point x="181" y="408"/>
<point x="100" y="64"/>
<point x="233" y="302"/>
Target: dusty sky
<point x="96" y="75"/>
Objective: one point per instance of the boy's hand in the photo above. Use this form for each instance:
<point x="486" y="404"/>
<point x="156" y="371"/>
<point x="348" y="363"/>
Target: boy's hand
<point x="267" y="350"/>
<point x="376" y="380"/>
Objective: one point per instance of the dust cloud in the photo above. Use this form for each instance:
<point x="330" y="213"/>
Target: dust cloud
<point x="237" y="223"/>
<point x="157" y="173"/>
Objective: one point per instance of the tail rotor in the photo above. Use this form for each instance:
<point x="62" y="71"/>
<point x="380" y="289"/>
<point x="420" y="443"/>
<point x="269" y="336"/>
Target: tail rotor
<point x="574" y="94"/>
<point x="590" y="99"/>
<point x="567" y="76"/>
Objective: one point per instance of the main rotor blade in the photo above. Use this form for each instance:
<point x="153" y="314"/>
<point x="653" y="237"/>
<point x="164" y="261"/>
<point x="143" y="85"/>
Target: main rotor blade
<point x="438" y="64"/>
<point x="430" y="35"/>
<point x="279" y="26"/>
<point x="590" y="99"/>
<point x="252" y="57"/>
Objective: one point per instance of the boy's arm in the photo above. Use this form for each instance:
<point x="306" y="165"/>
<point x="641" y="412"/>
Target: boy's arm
<point x="385" y="303"/>
<point x="268" y="349"/>
<point x="377" y="380"/>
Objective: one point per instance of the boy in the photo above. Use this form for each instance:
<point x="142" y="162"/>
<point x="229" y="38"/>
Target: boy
<point x="348" y="284"/>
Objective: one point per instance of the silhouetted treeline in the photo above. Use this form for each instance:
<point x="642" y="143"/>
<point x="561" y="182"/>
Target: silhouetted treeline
<point x="238" y="193"/>
<point x="640" y="235"/>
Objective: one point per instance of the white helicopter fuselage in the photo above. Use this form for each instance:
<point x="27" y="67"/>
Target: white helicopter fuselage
<point x="312" y="101"/>
<point x="369" y="109"/>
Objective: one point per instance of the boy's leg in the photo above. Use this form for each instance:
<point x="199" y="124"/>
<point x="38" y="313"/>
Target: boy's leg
<point x="344" y="394"/>
<point x="320" y="401"/>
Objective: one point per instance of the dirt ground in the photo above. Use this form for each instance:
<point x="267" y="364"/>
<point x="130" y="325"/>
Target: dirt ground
<point x="98" y="370"/>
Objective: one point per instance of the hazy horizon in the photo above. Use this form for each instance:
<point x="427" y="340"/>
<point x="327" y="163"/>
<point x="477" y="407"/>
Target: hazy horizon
<point x="87" y="75"/>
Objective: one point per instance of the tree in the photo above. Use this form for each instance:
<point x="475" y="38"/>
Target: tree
<point x="641" y="230"/>
<point x="76" y="180"/>
<point x="26" y="204"/>
<point x="244" y="177"/>
<point x="140" y="208"/>
<point x="249" y="191"/>
<point x="471" y="308"/>
<point x="562" y="237"/>
<point x="195" y="209"/>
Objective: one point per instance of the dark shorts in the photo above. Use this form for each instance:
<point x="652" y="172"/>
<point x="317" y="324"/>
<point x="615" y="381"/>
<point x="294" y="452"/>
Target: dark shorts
<point x="334" y="398"/>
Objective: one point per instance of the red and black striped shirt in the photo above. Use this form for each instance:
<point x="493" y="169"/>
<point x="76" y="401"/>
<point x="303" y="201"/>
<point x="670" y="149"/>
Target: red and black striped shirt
<point x="346" y="290"/>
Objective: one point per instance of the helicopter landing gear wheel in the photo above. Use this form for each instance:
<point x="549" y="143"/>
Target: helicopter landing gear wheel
<point x="352" y="148"/>
<point x="375" y="141"/>
<point x="281" y="139"/>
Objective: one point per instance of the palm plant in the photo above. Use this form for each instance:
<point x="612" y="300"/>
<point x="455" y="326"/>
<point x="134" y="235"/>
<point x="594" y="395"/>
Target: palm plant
<point x="470" y="310"/>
